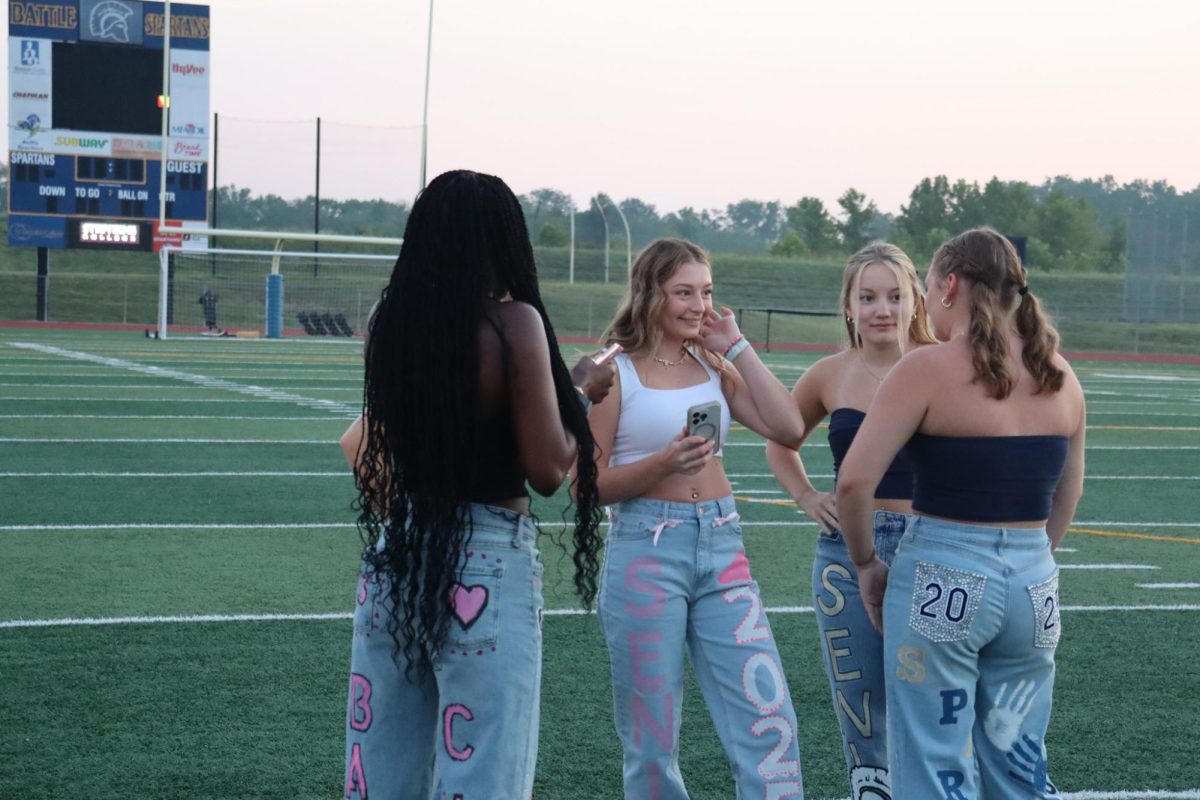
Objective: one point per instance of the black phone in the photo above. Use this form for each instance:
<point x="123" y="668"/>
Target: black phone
<point x="705" y="420"/>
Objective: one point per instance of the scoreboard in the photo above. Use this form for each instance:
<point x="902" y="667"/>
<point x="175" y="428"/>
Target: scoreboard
<point x="85" y="125"/>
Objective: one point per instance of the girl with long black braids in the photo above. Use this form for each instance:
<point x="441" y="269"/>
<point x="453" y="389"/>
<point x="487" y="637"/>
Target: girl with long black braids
<point x="466" y="400"/>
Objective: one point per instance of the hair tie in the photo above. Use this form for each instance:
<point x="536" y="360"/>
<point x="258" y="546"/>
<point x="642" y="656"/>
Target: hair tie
<point x="1024" y="290"/>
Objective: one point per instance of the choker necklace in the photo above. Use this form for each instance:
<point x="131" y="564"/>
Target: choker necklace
<point x="666" y="363"/>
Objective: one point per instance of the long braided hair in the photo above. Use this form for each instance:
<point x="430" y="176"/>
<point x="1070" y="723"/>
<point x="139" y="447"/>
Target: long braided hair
<point x="998" y="291"/>
<point x="465" y="239"/>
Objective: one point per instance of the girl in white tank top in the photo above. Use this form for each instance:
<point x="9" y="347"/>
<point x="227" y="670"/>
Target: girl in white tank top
<point x="675" y="575"/>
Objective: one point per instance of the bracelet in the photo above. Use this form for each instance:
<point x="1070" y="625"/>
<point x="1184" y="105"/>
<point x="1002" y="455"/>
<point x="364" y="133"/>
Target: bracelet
<point x="738" y="346"/>
<point x="583" y="398"/>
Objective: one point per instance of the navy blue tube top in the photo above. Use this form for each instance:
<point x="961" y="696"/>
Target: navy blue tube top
<point x="986" y="478"/>
<point x="897" y="482"/>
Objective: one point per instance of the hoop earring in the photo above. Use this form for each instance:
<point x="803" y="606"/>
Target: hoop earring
<point x="945" y="304"/>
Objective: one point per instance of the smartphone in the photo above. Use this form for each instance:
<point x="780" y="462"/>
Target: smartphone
<point x="705" y="420"/>
<point x="607" y="353"/>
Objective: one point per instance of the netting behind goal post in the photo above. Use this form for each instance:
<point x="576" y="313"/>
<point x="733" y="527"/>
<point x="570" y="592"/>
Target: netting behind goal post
<point x="231" y="291"/>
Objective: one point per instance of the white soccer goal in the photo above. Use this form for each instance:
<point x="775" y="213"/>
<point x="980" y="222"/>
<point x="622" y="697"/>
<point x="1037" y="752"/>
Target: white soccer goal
<point x="231" y="291"/>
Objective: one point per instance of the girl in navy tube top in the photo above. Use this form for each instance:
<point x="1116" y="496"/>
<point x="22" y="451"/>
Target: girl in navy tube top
<point x="885" y="317"/>
<point x="993" y="421"/>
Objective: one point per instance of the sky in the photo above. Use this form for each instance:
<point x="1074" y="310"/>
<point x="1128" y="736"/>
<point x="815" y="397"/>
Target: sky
<point x="702" y="103"/>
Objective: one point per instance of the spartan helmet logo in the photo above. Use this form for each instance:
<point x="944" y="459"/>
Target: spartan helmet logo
<point x="110" y="20"/>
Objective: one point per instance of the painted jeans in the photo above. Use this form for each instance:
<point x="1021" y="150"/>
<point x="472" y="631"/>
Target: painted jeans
<point x="852" y="651"/>
<point x="468" y="729"/>
<point x="676" y="574"/>
<point x="971" y="622"/>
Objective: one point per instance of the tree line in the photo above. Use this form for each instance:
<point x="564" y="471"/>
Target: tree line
<point x="1069" y="225"/>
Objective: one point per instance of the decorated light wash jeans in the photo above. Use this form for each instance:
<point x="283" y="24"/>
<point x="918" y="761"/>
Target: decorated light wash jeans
<point x="676" y="574"/>
<point x="467" y="730"/>
<point x="971" y="622"/>
<point x="853" y="654"/>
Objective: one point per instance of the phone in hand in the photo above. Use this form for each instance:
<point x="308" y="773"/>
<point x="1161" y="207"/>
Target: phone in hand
<point x="607" y="353"/>
<point x="705" y="420"/>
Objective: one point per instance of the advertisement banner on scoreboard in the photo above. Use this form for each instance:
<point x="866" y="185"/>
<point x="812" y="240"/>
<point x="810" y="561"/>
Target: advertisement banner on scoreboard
<point x="47" y="19"/>
<point x="29" y="83"/>
<point x="189" y="94"/>
<point x="29" y="231"/>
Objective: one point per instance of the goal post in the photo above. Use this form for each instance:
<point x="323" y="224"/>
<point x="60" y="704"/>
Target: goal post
<point x="274" y="293"/>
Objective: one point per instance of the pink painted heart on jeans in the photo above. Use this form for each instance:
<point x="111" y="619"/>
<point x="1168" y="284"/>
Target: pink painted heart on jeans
<point x="468" y="602"/>
<point x="737" y="572"/>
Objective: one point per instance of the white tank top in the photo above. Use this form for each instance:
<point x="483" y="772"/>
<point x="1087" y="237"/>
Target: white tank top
<point x="651" y="418"/>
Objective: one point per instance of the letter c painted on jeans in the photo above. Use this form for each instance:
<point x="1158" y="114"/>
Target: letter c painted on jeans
<point x="452" y="711"/>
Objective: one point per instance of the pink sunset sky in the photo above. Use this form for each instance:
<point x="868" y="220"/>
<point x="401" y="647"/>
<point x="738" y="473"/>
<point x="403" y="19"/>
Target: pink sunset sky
<point x="701" y="103"/>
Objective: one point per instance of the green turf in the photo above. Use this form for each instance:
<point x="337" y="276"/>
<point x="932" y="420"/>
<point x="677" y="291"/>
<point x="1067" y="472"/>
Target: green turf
<point x="255" y="709"/>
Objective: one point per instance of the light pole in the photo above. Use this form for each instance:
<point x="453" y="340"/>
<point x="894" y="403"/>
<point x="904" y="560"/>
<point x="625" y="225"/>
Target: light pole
<point x="628" y="238"/>
<point x="604" y="219"/>
<point x="425" y="111"/>
<point x="166" y="110"/>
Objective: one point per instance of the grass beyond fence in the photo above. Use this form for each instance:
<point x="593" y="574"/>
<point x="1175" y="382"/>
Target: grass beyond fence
<point x="1093" y="311"/>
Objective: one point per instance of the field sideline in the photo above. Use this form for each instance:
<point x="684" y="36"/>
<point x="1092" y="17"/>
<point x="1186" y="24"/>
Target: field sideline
<point x="179" y="556"/>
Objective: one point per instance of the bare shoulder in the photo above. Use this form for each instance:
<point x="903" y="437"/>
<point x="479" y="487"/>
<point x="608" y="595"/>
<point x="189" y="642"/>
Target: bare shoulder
<point x="1070" y="379"/>
<point x="824" y="370"/>
<point x="925" y="359"/>
<point x="520" y="322"/>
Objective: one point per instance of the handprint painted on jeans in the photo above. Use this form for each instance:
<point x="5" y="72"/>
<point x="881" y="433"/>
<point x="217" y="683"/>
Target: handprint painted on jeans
<point x="1027" y="761"/>
<point x="1003" y="721"/>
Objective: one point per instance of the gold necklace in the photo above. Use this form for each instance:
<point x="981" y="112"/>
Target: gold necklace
<point x="666" y="363"/>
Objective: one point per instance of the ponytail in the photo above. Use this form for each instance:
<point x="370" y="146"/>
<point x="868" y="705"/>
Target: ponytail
<point x="989" y="345"/>
<point x="1041" y="343"/>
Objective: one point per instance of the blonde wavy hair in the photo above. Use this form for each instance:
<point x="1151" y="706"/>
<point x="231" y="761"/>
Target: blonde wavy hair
<point x="635" y="326"/>
<point x="912" y="293"/>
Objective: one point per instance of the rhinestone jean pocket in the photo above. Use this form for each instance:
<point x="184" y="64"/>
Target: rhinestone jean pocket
<point x="944" y="601"/>
<point x="1047" y="619"/>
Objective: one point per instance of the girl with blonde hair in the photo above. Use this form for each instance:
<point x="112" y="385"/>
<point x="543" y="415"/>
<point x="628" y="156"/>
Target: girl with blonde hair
<point x="675" y="571"/>
<point x="885" y="317"/>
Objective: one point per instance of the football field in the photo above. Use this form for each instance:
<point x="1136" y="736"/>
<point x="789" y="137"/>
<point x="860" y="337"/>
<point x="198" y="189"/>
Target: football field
<point x="178" y="559"/>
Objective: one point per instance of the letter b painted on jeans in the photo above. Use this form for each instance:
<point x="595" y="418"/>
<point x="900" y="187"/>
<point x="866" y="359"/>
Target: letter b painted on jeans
<point x="360" y="702"/>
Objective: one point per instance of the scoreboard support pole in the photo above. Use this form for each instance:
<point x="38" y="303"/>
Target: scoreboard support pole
<point x="43" y="283"/>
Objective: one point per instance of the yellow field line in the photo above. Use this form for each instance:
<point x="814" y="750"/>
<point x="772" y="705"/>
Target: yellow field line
<point x="1089" y="531"/>
<point x="1125" y="535"/>
<point x="763" y="501"/>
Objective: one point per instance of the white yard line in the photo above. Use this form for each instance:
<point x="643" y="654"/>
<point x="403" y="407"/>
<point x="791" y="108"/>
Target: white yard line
<point x="345" y="473"/>
<point x="345" y="615"/>
<point x="168" y="526"/>
<point x="1168" y="585"/>
<point x="188" y="377"/>
<point x="348" y="414"/>
<point x="1107" y="566"/>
